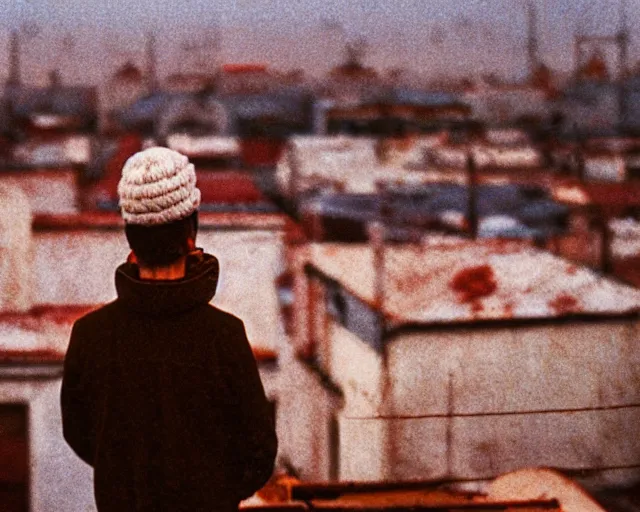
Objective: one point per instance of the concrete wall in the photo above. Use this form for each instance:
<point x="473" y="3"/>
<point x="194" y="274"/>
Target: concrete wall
<point x="49" y="190"/>
<point x="77" y="267"/>
<point x="358" y="370"/>
<point x="306" y="406"/>
<point x="494" y="400"/>
<point x="15" y="249"/>
<point x="58" y="479"/>
<point x="474" y="403"/>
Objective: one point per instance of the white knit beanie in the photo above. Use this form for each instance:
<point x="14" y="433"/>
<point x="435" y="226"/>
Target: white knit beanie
<point x="158" y="186"/>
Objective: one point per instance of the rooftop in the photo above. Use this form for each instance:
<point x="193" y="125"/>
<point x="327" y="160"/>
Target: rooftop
<point x="101" y="220"/>
<point x="40" y="336"/>
<point x="451" y="280"/>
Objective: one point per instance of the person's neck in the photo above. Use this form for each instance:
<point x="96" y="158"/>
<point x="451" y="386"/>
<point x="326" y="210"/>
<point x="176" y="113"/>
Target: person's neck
<point x="170" y="272"/>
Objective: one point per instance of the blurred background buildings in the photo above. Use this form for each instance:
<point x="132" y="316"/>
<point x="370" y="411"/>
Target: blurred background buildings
<point x="438" y="267"/>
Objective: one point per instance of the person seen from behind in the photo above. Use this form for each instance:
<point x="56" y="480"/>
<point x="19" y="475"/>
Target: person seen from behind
<point x="161" y="393"/>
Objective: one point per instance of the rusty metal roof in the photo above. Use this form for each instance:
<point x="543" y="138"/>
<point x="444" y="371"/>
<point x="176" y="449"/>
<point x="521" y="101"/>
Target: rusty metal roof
<point x="452" y="280"/>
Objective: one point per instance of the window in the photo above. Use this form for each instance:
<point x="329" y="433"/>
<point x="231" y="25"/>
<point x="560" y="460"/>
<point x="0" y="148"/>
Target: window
<point x="334" y="448"/>
<point x="14" y="458"/>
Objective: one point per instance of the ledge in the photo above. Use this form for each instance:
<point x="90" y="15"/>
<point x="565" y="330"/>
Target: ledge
<point x="111" y="221"/>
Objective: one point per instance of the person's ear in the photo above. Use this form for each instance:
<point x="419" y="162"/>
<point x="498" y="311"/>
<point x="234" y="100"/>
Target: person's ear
<point x="191" y="243"/>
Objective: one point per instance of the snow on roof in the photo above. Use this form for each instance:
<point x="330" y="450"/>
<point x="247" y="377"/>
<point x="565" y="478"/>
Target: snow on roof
<point x="455" y="280"/>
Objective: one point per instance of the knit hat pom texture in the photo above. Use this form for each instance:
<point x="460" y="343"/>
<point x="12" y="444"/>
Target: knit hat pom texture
<point x="158" y="186"/>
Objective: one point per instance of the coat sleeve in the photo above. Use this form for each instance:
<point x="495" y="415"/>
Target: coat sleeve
<point x="256" y="435"/>
<point x="76" y="418"/>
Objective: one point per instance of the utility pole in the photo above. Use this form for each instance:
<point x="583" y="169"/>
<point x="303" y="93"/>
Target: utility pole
<point x="532" y="38"/>
<point x="14" y="59"/>
<point x="152" y="72"/>
<point x="623" y="55"/>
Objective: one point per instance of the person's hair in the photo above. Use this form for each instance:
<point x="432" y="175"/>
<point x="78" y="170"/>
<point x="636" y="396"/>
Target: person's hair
<point x="162" y="244"/>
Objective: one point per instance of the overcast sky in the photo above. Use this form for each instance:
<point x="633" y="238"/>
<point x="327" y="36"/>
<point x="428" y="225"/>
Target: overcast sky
<point x="86" y="39"/>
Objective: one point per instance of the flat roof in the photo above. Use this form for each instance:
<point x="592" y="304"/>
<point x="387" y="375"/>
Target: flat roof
<point x="40" y="336"/>
<point x="451" y="280"/>
<point x="110" y="220"/>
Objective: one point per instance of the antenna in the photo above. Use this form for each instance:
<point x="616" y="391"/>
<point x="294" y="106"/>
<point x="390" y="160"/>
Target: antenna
<point x="356" y="47"/>
<point x="623" y="39"/>
<point x="532" y="37"/>
<point x="152" y="74"/>
<point x="14" y="59"/>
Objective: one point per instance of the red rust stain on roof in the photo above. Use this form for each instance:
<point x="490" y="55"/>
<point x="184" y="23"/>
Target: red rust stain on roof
<point x="564" y="303"/>
<point x="474" y="283"/>
<point x="477" y="307"/>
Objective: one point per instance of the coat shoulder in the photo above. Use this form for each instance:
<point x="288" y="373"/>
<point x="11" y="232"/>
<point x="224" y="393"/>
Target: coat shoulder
<point x="223" y="317"/>
<point x="100" y="316"/>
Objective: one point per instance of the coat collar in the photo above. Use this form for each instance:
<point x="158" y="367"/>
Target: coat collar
<point x="169" y="297"/>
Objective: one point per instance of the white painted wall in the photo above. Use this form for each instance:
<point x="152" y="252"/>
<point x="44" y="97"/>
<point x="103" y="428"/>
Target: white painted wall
<point x="49" y="191"/>
<point x="364" y="449"/>
<point x="15" y="248"/>
<point x="477" y="371"/>
<point x="305" y="408"/>
<point x="59" y="479"/>
<point x="358" y="370"/>
<point x="78" y="266"/>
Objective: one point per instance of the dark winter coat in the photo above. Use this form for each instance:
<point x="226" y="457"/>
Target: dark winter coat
<point x="162" y="396"/>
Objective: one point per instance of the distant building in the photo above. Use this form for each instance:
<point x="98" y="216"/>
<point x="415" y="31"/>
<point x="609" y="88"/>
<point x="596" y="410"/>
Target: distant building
<point x="125" y="87"/>
<point x="352" y="164"/>
<point x="390" y="112"/>
<point x="589" y="107"/>
<point x="505" y="104"/>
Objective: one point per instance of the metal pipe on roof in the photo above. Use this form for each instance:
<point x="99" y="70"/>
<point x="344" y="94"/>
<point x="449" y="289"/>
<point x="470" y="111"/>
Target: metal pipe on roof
<point x="472" y="205"/>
